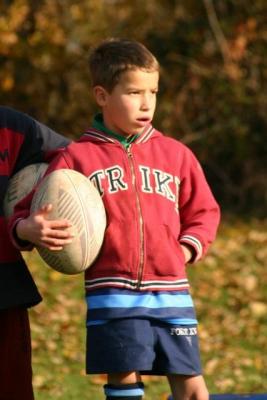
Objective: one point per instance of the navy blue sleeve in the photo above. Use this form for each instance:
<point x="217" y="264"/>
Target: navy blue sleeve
<point x="38" y="138"/>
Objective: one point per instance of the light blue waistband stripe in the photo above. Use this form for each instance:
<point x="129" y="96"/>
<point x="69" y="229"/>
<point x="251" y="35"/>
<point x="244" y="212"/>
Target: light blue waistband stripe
<point x="180" y="321"/>
<point x="148" y="301"/>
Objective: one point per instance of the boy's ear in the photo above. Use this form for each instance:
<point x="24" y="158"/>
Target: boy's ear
<point x="100" y="95"/>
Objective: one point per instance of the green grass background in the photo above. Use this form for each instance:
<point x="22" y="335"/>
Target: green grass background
<point x="229" y="289"/>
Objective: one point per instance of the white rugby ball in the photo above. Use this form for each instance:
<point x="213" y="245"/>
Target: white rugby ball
<point x="21" y="184"/>
<point x="76" y="199"/>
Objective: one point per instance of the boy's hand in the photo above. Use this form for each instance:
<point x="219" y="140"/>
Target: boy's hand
<point x="187" y="253"/>
<point x="37" y="229"/>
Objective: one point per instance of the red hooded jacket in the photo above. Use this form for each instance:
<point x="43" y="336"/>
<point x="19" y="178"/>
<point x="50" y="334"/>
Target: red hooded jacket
<point x="156" y="198"/>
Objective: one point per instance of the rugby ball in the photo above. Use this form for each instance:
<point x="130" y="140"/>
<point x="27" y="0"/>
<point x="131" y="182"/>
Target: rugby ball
<point x="21" y="184"/>
<point x="76" y="199"/>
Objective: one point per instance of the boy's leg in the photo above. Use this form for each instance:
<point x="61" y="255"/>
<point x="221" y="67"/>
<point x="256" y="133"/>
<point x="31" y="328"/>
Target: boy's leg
<point x="124" y="378"/>
<point x="121" y="345"/>
<point x="124" y="386"/>
<point x="188" y="387"/>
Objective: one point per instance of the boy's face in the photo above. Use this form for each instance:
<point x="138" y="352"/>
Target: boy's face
<point x="131" y="104"/>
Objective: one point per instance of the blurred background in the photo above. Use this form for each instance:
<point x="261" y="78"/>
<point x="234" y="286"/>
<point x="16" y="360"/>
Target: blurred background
<point x="213" y="97"/>
<point x="213" y="91"/>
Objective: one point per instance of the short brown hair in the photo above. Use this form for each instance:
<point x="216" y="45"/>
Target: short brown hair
<point x="114" y="56"/>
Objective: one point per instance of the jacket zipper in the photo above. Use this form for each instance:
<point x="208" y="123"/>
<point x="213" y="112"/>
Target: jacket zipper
<point x="141" y="221"/>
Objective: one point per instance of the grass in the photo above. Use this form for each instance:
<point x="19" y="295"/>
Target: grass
<point x="229" y="288"/>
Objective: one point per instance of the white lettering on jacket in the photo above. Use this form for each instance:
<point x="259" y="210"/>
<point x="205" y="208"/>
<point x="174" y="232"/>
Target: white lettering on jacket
<point x="114" y="175"/>
<point x="152" y="181"/>
<point x="162" y="180"/>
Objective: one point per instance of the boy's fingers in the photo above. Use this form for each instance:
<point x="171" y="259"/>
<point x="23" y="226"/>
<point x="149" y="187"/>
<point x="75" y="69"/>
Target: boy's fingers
<point x="59" y="234"/>
<point x="59" y="224"/>
<point x="45" y="209"/>
<point x="53" y="224"/>
<point x="57" y="242"/>
<point x="54" y="244"/>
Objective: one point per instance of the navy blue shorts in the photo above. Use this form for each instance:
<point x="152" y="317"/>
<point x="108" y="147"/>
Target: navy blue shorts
<point x="147" y="346"/>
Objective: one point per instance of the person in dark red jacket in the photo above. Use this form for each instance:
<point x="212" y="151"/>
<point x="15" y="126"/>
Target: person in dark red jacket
<point x="161" y="215"/>
<point x="23" y="141"/>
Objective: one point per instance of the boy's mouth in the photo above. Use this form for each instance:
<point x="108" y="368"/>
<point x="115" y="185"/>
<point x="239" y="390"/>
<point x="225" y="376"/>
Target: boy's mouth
<point x="143" y="119"/>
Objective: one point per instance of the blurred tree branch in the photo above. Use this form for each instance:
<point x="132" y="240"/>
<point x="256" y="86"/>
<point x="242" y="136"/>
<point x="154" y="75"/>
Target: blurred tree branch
<point x="217" y="31"/>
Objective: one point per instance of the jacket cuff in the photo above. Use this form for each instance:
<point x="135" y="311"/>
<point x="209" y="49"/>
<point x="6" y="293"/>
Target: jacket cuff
<point x="21" y="245"/>
<point x="193" y="243"/>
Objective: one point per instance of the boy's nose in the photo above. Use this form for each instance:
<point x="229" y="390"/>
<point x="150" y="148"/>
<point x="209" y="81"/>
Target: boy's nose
<point x="145" y="105"/>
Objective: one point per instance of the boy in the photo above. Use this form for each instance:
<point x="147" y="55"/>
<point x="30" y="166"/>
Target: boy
<point x="23" y="141"/>
<point x="161" y="215"/>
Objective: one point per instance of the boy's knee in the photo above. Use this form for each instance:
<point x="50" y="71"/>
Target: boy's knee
<point x="122" y="378"/>
<point x="188" y="388"/>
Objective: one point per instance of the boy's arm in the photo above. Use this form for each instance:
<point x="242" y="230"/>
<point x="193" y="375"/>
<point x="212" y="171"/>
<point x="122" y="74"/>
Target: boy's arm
<point x="199" y="211"/>
<point x="26" y="229"/>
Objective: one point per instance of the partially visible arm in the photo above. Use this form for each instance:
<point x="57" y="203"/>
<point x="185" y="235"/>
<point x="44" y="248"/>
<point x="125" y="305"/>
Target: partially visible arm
<point x="40" y="142"/>
<point x="199" y="211"/>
